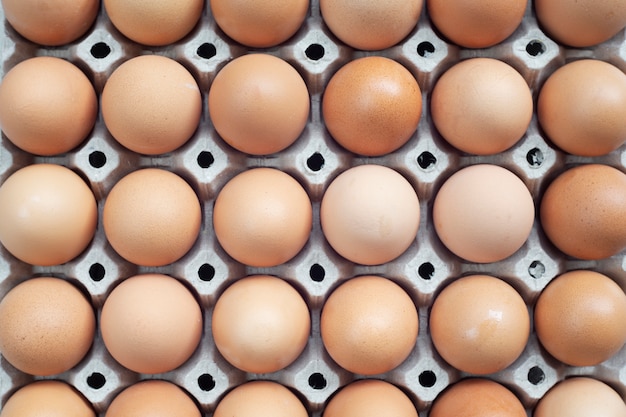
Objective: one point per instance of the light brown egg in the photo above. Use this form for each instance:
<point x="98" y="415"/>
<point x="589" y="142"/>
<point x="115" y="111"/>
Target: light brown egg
<point x="369" y="325"/>
<point x="481" y="106"/>
<point x="260" y="324"/>
<point x="477" y="397"/>
<point x="476" y="24"/>
<point x="259" y="104"/>
<point x="370" y="398"/>
<point x="580" y="318"/>
<point x="483" y="213"/>
<point x="46" y="326"/>
<point x="581" y="397"/>
<point x="48" y="214"/>
<point x="479" y="324"/>
<point x="262" y="217"/>
<point x="582" y="107"/>
<point x="259" y="24"/>
<point x="47" y="105"/>
<point x="367" y="230"/>
<point x="151" y="104"/>
<point x="260" y="399"/>
<point x="371" y="25"/>
<point x="151" y="323"/>
<point x="152" y="217"/>
<point x="372" y="105"/>
<point x="581" y="23"/>
<point x="54" y="23"/>
<point x="583" y="211"/>
<point x="154" y="398"/>
<point x="154" y="23"/>
<point x="48" y="398"/>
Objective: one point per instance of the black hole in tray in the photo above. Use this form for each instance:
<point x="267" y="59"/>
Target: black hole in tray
<point x="206" y="382"/>
<point x="96" y="272"/>
<point x="536" y="269"/>
<point x="100" y="50"/>
<point x="536" y="375"/>
<point x="97" y="159"/>
<point x="315" y="162"/>
<point x="315" y="51"/>
<point x="206" y="272"/>
<point x="206" y="50"/>
<point x="96" y="380"/>
<point x="317" y="381"/>
<point x="535" y="48"/>
<point x="426" y="270"/>
<point x="205" y="159"/>
<point x="426" y="160"/>
<point x="535" y="157"/>
<point x="425" y="48"/>
<point x="427" y="379"/>
<point x="317" y="273"/>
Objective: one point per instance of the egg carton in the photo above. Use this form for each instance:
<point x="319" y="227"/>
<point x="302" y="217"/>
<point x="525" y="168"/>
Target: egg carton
<point x="207" y="163"/>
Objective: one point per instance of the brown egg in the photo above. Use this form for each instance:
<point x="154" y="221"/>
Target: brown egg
<point x="152" y="217"/>
<point x="372" y="106"/>
<point x="369" y="325"/>
<point x="154" y="23"/>
<point x="151" y="104"/>
<point x="581" y="23"/>
<point x="364" y="229"/>
<point x="47" y="105"/>
<point x="483" y="213"/>
<point x="371" y="25"/>
<point x="47" y="398"/>
<point x="478" y="397"/>
<point x="48" y="214"/>
<point x="581" y="397"/>
<point x="582" y="211"/>
<point x="580" y="318"/>
<point x="46" y="326"/>
<point x="259" y="104"/>
<point x="481" y="106"/>
<point x="151" y="323"/>
<point x="260" y="399"/>
<point x="476" y="24"/>
<point x="479" y="324"/>
<point x="259" y="24"/>
<point x="582" y="107"/>
<point x="54" y="23"/>
<point x="260" y="324"/>
<point x="154" y="398"/>
<point x="262" y="217"/>
<point x="370" y="398"/>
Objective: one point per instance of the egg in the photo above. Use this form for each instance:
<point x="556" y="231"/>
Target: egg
<point x="260" y="324"/>
<point x="47" y="398"/>
<point x="154" y="23"/>
<point x="581" y="396"/>
<point x="259" y="104"/>
<point x="47" y="105"/>
<point x="479" y="324"/>
<point x="48" y="214"/>
<point x="151" y="104"/>
<point x="47" y="326"/>
<point x="483" y="213"/>
<point x="151" y="323"/>
<point x="580" y="318"/>
<point x="262" y="217"/>
<point x="367" y="230"/>
<point x="152" y="217"/>
<point x="582" y="211"/>
<point x="372" y="105"/>
<point x="260" y="24"/>
<point x="370" y="398"/>
<point x="58" y="22"/>
<point x="153" y="398"/>
<point x="260" y="399"/>
<point x="369" y="325"/>
<point x="476" y="24"/>
<point x="582" y="107"/>
<point x="481" y="106"/>
<point x="371" y="25"/>
<point x="477" y="397"/>
<point x="581" y="23"/>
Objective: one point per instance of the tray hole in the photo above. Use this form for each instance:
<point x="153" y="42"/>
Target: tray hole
<point x="317" y="273"/>
<point x="425" y="48"/>
<point x="314" y="52"/>
<point x="535" y="157"/>
<point x="315" y="162"/>
<point x="535" y="48"/>
<point x="317" y="381"/>
<point x="206" y="50"/>
<point x="536" y="375"/>
<point x="426" y="160"/>
<point x="100" y="50"/>
<point x="536" y="269"/>
<point x="97" y="159"/>
<point x="97" y="272"/>
<point x="206" y="382"/>
<point x="426" y="271"/>
<point x="205" y="159"/>
<point x="206" y="272"/>
<point x="427" y="379"/>
<point x="96" y="380"/>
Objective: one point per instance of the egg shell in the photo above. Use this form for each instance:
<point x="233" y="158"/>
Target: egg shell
<point x="47" y="398"/>
<point x="154" y="398"/>
<point x="260" y="399"/>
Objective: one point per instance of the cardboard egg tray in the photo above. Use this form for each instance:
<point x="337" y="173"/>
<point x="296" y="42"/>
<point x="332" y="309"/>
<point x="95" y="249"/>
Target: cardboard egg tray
<point x="207" y="163"/>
